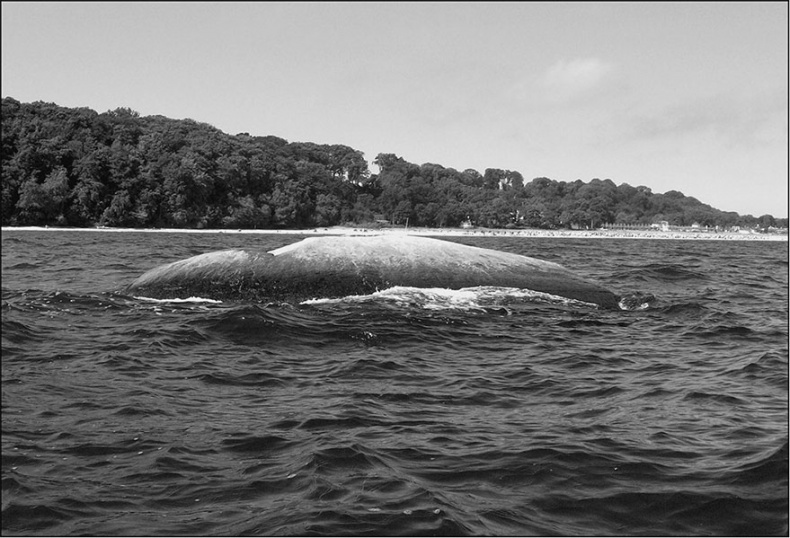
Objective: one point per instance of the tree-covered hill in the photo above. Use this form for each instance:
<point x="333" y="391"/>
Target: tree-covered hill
<point x="76" y="167"/>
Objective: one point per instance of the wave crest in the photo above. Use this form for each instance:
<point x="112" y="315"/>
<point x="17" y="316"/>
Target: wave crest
<point x="474" y="298"/>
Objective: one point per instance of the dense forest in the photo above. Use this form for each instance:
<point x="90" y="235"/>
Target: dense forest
<point x="76" y="167"/>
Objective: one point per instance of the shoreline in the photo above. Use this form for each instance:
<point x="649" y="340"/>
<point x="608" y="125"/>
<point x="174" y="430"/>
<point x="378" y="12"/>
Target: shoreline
<point x="447" y="232"/>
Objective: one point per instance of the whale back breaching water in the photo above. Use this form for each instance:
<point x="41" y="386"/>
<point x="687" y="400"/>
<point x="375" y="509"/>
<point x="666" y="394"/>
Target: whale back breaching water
<point x="330" y="267"/>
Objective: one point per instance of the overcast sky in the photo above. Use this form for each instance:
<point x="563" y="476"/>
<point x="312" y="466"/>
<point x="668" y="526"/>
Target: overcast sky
<point x="675" y="96"/>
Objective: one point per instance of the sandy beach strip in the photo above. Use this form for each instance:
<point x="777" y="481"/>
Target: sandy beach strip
<point x="439" y="232"/>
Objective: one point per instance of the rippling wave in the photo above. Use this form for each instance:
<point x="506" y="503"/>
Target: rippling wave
<point x="484" y="411"/>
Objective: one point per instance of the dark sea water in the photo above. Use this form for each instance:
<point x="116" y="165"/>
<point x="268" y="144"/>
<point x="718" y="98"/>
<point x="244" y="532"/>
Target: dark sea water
<point x="409" y="412"/>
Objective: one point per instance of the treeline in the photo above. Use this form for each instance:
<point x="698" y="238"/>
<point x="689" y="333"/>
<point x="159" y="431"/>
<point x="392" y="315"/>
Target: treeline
<point x="76" y="167"/>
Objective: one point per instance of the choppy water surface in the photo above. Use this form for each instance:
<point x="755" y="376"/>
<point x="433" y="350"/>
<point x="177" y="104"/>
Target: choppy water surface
<point x="410" y="412"/>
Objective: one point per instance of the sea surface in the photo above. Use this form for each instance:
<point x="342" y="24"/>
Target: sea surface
<point x="407" y="412"/>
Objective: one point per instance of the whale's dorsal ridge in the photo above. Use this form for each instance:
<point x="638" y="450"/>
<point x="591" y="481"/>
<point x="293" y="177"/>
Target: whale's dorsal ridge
<point x="336" y="266"/>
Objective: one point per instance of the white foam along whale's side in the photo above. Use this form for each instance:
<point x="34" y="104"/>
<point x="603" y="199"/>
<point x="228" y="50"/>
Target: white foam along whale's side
<point x="328" y="267"/>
